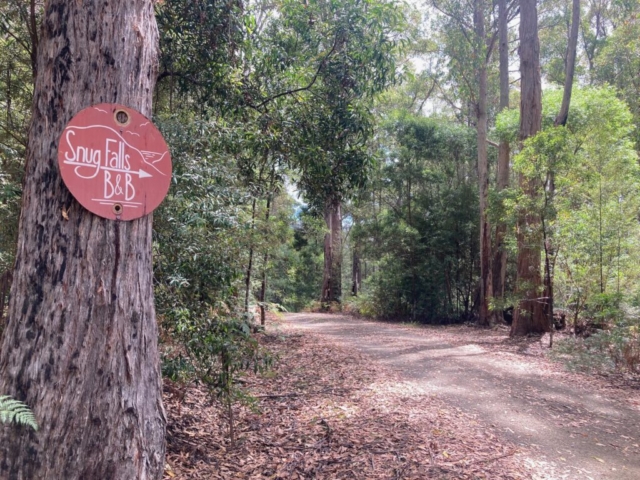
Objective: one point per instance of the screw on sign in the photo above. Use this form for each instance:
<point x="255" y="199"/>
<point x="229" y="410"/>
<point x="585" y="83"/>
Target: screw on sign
<point x="114" y="161"/>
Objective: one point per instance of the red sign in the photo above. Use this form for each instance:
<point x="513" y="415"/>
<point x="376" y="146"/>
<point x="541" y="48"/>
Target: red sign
<point x="114" y="161"/>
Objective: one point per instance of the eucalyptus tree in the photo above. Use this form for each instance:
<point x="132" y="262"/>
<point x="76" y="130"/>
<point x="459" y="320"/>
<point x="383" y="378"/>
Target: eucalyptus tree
<point x="80" y="345"/>
<point x="528" y="313"/>
<point x="592" y="212"/>
<point x="330" y="59"/>
<point x="502" y="167"/>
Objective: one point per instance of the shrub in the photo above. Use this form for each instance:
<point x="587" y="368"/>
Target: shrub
<point x="613" y="350"/>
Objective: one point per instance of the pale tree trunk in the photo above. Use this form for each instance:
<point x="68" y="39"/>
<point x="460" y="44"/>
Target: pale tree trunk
<point x="528" y="315"/>
<point x="249" y="272"/>
<point x="561" y="120"/>
<point x="502" y="171"/>
<point x="265" y="263"/>
<point x="332" y="275"/>
<point x="486" y="280"/>
<point x="570" y="64"/>
<point x="80" y="346"/>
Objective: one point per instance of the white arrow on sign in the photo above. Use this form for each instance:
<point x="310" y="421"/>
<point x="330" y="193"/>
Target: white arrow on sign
<point x="141" y="173"/>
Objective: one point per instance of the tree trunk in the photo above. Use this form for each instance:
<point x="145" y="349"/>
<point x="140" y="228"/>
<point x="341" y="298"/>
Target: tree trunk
<point x="332" y="275"/>
<point x="263" y="287"/>
<point x="5" y="286"/>
<point x="528" y="317"/>
<point x="249" y="272"/>
<point x="570" y="64"/>
<point x="502" y="174"/>
<point x="356" y="272"/>
<point x="486" y="280"/>
<point x="561" y="120"/>
<point x="80" y="346"/>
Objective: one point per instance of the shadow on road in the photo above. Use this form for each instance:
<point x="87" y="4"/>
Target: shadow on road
<point x="576" y="432"/>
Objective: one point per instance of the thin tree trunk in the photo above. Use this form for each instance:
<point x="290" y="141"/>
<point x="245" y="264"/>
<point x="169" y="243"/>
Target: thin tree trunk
<point x="528" y="316"/>
<point x="502" y="174"/>
<point x="600" y="237"/>
<point x="5" y="286"/>
<point x="561" y="120"/>
<point x="33" y="36"/>
<point x="249" y="272"/>
<point x="80" y="346"/>
<point x="332" y="275"/>
<point x="570" y="64"/>
<point x="356" y="272"/>
<point x="263" y="287"/>
<point x="486" y="280"/>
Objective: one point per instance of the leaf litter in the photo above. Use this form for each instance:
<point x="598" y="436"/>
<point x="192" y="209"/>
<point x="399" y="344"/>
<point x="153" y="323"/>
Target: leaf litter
<point x="325" y="412"/>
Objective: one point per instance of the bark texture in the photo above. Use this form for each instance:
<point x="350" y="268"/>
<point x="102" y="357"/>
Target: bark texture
<point x="502" y="171"/>
<point x="332" y="275"/>
<point x="528" y="316"/>
<point x="80" y="346"/>
<point x="486" y="280"/>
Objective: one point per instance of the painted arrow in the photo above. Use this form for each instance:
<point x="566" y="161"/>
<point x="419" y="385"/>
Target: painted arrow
<point x="141" y="173"/>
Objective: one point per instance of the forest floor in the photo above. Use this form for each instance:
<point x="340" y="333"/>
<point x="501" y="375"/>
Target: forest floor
<point x="354" y="399"/>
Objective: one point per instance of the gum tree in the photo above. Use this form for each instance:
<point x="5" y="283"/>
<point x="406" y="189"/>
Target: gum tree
<point x="80" y="345"/>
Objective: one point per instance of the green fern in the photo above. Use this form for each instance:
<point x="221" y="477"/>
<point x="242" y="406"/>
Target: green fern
<point x="15" y="411"/>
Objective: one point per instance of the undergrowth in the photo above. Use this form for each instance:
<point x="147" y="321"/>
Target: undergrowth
<point x="606" y="351"/>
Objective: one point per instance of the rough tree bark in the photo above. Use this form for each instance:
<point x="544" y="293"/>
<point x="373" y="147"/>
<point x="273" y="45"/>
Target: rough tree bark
<point x="502" y="171"/>
<point x="486" y="280"/>
<point x="332" y="275"/>
<point x="528" y="316"/>
<point x="80" y="346"/>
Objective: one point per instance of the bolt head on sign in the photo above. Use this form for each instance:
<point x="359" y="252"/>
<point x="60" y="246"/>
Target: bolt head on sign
<point x="114" y="161"/>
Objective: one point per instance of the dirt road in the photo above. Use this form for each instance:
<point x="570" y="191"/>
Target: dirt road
<point x="574" y="427"/>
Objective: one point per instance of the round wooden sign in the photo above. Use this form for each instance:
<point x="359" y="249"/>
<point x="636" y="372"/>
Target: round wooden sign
<point x="114" y="161"/>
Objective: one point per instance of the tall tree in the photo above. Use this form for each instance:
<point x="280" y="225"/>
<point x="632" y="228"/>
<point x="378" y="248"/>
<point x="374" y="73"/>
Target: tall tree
<point x="80" y="344"/>
<point x="502" y="170"/>
<point x="528" y="314"/>
<point x="550" y="182"/>
<point x="331" y="112"/>
<point x="486" y="279"/>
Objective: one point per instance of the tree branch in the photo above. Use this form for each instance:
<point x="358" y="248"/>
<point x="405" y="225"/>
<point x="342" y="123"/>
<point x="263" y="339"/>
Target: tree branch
<point x="305" y="88"/>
